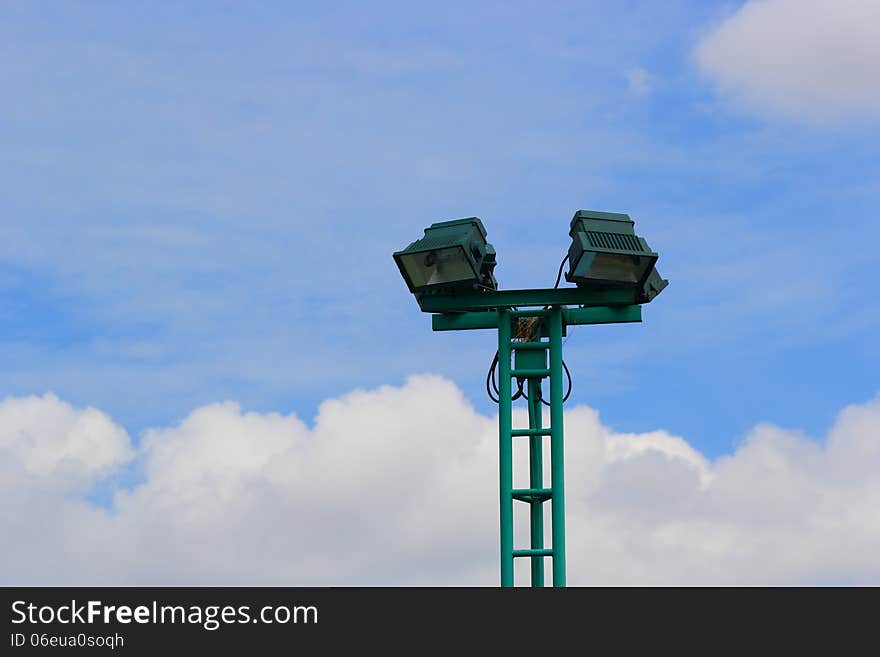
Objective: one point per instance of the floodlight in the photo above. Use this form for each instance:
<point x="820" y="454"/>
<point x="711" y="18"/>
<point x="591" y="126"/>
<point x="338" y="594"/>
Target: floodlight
<point x="452" y="256"/>
<point x="450" y="271"/>
<point x="605" y="252"/>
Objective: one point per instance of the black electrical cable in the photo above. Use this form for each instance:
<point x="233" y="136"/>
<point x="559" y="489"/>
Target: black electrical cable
<point x="559" y="273"/>
<point x="491" y="383"/>
<point x="519" y="390"/>
<point x="490" y="376"/>
<point x="567" y="392"/>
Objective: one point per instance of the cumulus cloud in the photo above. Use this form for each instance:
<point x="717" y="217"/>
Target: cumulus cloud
<point x="808" y="60"/>
<point x="398" y="485"/>
<point x="47" y="440"/>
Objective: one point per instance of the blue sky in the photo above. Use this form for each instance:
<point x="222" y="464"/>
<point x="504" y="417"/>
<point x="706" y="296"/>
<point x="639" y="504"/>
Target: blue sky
<point x="200" y="201"/>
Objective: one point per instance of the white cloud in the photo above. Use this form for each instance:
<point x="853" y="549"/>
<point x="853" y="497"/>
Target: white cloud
<point x="46" y="439"/>
<point x="397" y="485"/>
<point x="808" y="60"/>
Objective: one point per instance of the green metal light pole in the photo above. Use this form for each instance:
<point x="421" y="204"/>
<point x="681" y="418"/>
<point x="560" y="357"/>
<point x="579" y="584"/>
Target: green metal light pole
<point x="451" y="272"/>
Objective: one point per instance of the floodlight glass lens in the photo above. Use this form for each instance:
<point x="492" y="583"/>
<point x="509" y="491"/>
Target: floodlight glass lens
<point x="438" y="267"/>
<point x="613" y="267"/>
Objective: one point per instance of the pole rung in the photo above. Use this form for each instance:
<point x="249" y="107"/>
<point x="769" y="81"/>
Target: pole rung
<point x="532" y="494"/>
<point x="530" y="345"/>
<point x="525" y="374"/>
<point x="546" y="431"/>
<point x="542" y="552"/>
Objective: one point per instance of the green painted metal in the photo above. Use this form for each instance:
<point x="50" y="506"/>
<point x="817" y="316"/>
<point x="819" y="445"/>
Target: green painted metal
<point x="505" y="448"/>
<point x="537" y="497"/>
<point x="494" y="300"/>
<point x="529" y="494"/>
<point x="531" y="364"/>
<point x="463" y="321"/>
<point x="557" y="467"/>
<point x="451" y="274"/>
<point x="536" y="491"/>
<point x="545" y="552"/>
<point x="531" y="432"/>
<point x="654" y="285"/>
<point x="607" y="315"/>
<point x="522" y="346"/>
<point x="530" y="359"/>
<point x="525" y="374"/>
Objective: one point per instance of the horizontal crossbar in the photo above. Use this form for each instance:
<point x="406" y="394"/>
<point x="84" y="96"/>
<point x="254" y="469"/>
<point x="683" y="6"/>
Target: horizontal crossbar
<point x="462" y="321"/>
<point x="532" y="494"/>
<point x="544" y="552"/>
<point x="525" y="374"/>
<point x="531" y="432"/>
<point x="530" y="345"/>
<point x="563" y="296"/>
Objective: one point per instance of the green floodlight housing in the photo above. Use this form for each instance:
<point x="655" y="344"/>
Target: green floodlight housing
<point x="605" y="253"/>
<point x="453" y="256"/>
